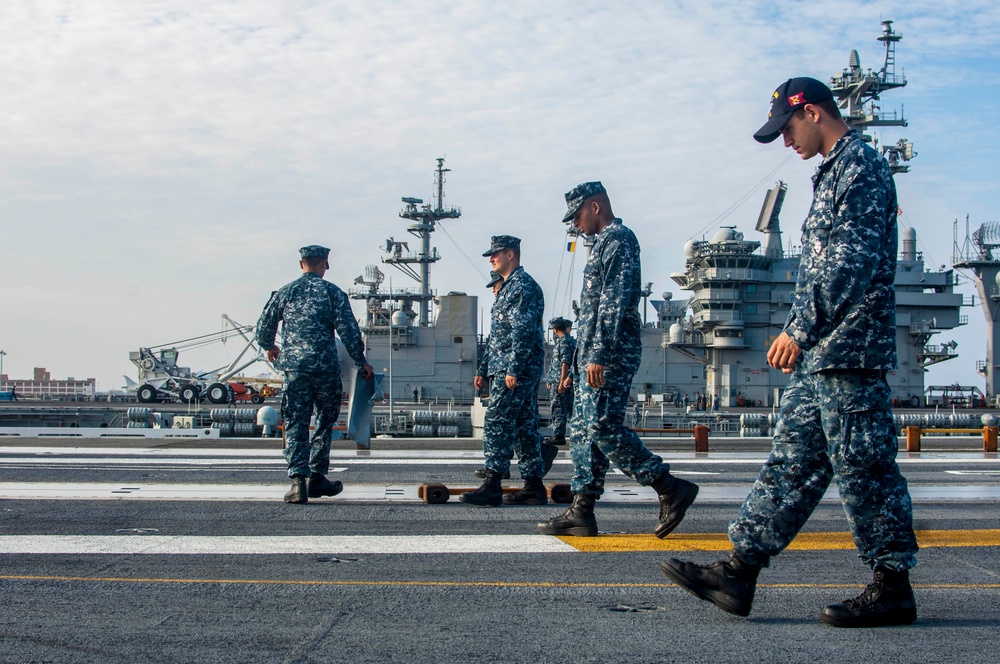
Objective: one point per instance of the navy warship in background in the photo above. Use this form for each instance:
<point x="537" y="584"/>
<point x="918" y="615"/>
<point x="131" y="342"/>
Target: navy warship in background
<point x="715" y="341"/>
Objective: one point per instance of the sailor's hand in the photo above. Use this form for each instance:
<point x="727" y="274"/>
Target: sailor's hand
<point x="478" y="382"/>
<point x="272" y="354"/>
<point x="595" y="375"/>
<point x="783" y="353"/>
<point x="367" y="372"/>
<point x="567" y="384"/>
<point x="511" y="382"/>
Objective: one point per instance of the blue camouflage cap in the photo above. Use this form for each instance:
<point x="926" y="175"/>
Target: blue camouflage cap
<point x="314" y="251"/>
<point x="495" y="278"/>
<point x="502" y="243"/>
<point x="578" y="194"/>
<point x="560" y="323"/>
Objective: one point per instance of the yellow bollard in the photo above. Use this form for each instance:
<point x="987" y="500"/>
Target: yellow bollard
<point x="912" y="439"/>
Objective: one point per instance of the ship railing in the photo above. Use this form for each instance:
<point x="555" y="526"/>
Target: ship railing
<point x="939" y="350"/>
<point x="388" y="293"/>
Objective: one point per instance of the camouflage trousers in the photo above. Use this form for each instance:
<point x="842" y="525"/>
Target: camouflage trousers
<point x="834" y="424"/>
<point x="562" y="408"/>
<point x="303" y="391"/>
<point x="599" y="437"/>
<point x="511" y="425"/>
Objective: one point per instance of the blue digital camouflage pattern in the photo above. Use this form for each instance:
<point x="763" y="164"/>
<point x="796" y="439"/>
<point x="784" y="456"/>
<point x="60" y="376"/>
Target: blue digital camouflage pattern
<point x="844" y="307"/>
<point x="562" y="409"/>
<point x="578" y="194"/>
<point x="302" y="391"/>
<point x="314" y="251"/>
<point x="563" y="351"/>
<point x="502" y="243"/>
<point x="511" y="425"/>
<point x="599" y="437"/>
<point x="516" y="345"/>
<point x="312" y="310"/>
<point x="516" y="348"/>
<point x="562" y="404"/>
<point x="836" y="416"/>
<point x="609" y="331"/>
<point x="609" y="328"/>
<point x="834" y="424"/>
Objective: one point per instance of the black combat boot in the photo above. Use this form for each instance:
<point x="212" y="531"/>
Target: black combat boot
<point x="481" y="473"/>
<point x="298" y="493"/>
<point x="728" y="583"/>
<point x="578" y="520"/>
<point x="888" y="600"/>
<point x="319" y="486"/>
<point x="533" y="493"/>
<point x="556" y="440"/>
<point x="490" y="493"/>
<point x="549" y="454"/>
<point x="676" y="495"/>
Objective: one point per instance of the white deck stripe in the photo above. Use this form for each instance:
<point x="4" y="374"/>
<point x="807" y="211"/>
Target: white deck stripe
<point x="267" y="545"/>
<point x="631" y="493"/>
<point x="389" y="457"/>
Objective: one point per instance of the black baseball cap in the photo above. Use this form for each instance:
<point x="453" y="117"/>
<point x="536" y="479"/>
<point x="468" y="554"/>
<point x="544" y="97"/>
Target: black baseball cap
<point x="790" y="96"/>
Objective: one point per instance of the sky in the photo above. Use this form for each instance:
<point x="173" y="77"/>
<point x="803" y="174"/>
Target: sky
<point x="162" y="162"/>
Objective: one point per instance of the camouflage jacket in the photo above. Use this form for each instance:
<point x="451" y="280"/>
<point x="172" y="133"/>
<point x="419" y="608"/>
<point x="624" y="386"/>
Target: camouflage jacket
<point x="609" y="330"/>
<point x="844" y="311"/>
<point x="562" y="352"/>
<point x="312" y="310"/>
<point x="516" y="345"/>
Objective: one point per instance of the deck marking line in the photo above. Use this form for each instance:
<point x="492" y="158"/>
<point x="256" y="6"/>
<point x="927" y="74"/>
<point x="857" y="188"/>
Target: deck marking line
<point x="279" y="544"/>
<point x="803" y="542"/>
<point x="437" y="544"/>
<point x="460" y="584"/>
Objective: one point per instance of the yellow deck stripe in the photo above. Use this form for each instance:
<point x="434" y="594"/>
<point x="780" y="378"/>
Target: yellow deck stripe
<point x="804" y="542"/>
<point x="455" y="584"/>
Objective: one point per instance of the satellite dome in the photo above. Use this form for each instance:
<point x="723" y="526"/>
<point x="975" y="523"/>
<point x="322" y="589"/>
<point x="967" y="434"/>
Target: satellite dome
<point x="724" y="235"/>
<point x="267" y="416"/>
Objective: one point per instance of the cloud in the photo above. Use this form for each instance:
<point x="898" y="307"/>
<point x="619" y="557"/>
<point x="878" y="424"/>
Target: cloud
<point x="163" y="161"/>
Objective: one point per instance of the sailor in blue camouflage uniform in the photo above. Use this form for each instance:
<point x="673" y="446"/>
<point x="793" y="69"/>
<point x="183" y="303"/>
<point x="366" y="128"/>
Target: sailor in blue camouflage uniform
<point x="838" y="342"/>
<point x="609" y="347"/>
<point x="560" y="378"/>
<point x="515" y="361"/>
<point x="495" y="284"/>
<point x="311" y="310"/>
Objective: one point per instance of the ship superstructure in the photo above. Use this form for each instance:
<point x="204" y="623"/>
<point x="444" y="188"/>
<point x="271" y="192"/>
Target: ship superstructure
<point x="981" y="255"/>
<point x="426" y="343"/>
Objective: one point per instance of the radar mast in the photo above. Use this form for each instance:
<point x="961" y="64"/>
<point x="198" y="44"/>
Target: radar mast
<point x="858" y="93"/>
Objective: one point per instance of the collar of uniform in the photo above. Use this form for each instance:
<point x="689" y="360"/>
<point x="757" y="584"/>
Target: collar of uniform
<point x="616" y="220"/>
<point x="838" y="147"/>
<point x="310" y="275"/>
<point x="512" y="275"/>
